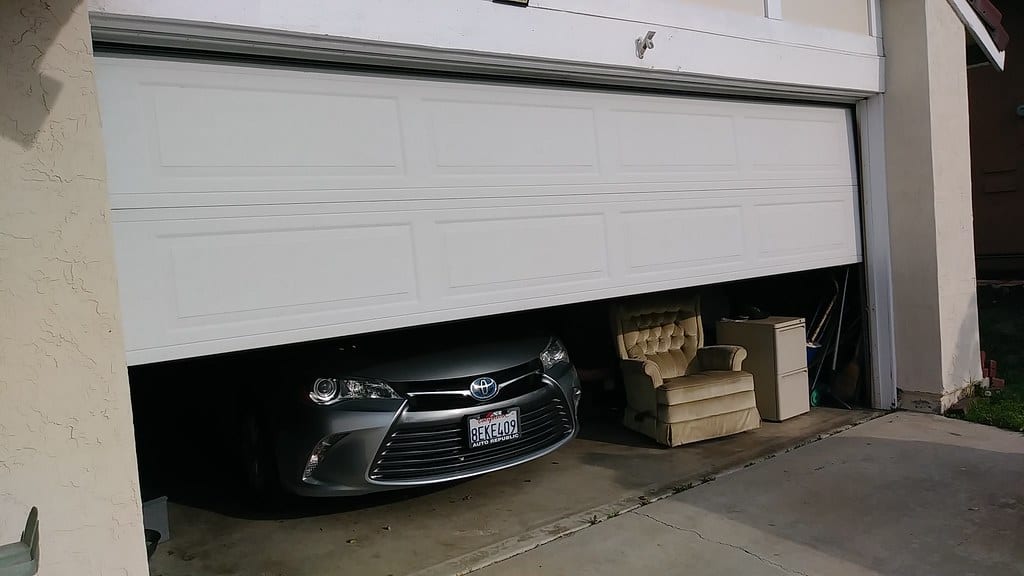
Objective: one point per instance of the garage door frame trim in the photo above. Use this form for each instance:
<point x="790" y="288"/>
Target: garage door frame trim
<point x="120" y="31"/>
<point x="113" y="32"/>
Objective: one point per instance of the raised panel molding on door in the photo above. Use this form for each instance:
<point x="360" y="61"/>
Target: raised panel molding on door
<point x="658" y="141"/>
<point x="245" y="271"/>
<point x="472" y="137"/>
<point x="797" y="229"/>
<point x="224" y="129"/>
<point x="503" y="253"/>
<point x="683" y="237"/>
<point x="256" y="205"/>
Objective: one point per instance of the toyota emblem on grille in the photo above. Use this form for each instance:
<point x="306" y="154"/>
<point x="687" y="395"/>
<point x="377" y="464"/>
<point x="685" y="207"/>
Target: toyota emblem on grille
<point x="483" y="388"/>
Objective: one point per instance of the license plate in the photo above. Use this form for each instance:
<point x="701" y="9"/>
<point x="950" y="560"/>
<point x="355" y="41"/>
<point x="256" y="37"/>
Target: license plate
<point x="494" y="427"/>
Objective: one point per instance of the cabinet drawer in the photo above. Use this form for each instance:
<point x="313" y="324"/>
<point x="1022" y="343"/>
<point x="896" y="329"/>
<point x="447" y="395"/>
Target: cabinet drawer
<point x="793" y="395"/>
<point x="790" y="349"/>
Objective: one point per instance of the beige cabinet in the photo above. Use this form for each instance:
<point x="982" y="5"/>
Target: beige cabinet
<point x="777" y="357"/>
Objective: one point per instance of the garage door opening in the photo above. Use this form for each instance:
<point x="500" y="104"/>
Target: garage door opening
<point x="192" y="447"/>
<point x="258" y="207"/>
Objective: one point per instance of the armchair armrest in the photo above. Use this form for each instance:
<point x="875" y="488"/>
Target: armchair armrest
<point x="641" y="371"/>
<point x="641" y="378"/>
<point x="728" y="358"/>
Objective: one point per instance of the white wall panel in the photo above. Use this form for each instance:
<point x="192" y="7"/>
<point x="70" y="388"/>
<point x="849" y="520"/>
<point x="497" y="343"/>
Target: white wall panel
<point x="257" y="206"/>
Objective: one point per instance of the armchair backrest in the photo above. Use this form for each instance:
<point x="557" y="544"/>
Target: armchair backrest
<point x="663" y="328"/>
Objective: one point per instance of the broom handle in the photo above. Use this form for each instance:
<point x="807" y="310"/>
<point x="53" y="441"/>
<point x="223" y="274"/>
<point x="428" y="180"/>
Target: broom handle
<point x="824" y="317"/>
<point x="839" y="331"/>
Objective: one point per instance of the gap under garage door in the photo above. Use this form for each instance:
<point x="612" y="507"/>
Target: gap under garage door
<point x="257" y="205"/>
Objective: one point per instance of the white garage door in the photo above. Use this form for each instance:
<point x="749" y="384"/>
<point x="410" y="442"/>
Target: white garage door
<point x="258" y="205"/>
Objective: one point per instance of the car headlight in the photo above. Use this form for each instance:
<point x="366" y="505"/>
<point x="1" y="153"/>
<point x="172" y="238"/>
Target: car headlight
<point x="327" y="391"/>
<point x="554" y="354"/>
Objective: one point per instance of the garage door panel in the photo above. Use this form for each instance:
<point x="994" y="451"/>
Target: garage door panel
<point x="218" y="272"/>
<point x="256" y="206"/>
<point x="786" y="146"/>
<point x="200" y="280"/>
<point x="670" y="141"/>
<point x="233" y="129"/>
<point x="469" y="136"/>
<point x="804" y="229"/>
<point x="298" y="136"/>
<point x="492" y="253"/>
<point x="682" y="238"/>
<point x="261" y="269"/>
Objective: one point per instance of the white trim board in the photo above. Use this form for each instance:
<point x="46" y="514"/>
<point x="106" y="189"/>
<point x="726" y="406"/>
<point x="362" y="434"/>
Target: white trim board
<point x="877" y="253"/>
<point x="780" y="53"/>
<point x="875" y="18"/>
<point x="980" y="32"/>
<point x="771" y="27"/>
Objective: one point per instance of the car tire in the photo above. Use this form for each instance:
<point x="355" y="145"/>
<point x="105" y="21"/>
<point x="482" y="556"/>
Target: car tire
<point x="258" y="471"/>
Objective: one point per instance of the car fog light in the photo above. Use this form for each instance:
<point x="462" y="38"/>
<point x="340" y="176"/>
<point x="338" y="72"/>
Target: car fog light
<point x="319" y="451"/>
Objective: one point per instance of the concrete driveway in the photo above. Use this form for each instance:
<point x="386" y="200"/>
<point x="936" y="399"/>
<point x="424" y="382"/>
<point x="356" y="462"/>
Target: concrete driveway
<point x="902" y="494"/>
<point x="455" y="527"/>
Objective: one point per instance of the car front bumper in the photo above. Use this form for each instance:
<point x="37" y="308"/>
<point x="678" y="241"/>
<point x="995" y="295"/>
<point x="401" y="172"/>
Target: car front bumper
<point x="387" y="444"/>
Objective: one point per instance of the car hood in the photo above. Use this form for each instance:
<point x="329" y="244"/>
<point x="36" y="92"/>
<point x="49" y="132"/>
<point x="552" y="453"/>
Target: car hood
<point x="454" y="361"/>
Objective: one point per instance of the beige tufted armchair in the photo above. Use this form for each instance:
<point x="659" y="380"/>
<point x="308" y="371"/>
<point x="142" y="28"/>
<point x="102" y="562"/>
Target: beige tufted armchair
<point x="677" y="390"/>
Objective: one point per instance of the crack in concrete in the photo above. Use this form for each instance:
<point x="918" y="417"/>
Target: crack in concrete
<point x="726" y="544"/>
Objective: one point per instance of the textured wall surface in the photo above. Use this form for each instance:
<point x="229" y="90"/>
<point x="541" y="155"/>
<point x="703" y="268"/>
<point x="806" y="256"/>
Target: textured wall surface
<point x="66" y="436"/>
<point x="929" y="186"/>
<point x="752" y="7"/>
<point x="954" y="211"/>
<point x="846" y="15"/>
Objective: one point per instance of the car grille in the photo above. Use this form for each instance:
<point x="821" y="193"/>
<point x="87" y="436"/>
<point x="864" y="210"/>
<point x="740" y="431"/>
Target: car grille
<point x="425" y="452"/>
<point x="429" y="396"/>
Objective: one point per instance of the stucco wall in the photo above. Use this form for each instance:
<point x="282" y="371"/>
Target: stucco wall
<point x="954" y="213"/>
<point x="66" y="437"/>
<point x="751" y="7"/>
<point x="929" y="186"/>
<point x="846" y="15"/>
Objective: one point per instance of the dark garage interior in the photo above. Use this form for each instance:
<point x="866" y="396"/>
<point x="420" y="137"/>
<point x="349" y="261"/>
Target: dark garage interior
<point x="196" y="441"/>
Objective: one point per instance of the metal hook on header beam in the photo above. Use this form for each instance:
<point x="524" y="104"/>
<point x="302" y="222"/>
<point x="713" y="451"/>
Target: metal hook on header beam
<point x="644" y="43"/>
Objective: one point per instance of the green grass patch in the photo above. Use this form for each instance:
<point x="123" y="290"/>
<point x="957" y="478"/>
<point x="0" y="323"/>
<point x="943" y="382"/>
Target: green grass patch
<point x="1004" y="409"/>
<point x="1001" y="318"/>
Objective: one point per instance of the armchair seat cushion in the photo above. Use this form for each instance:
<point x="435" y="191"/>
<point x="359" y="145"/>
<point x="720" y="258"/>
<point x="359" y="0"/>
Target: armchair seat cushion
<point x="706" y="408"/>
<point x="702" y="386"/>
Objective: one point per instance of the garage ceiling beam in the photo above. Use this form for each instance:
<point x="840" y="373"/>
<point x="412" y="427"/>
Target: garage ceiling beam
<point x="131" y="33"/>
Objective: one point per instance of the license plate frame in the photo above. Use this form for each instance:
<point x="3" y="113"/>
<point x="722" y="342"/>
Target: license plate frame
<point x="493" y="427"/>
